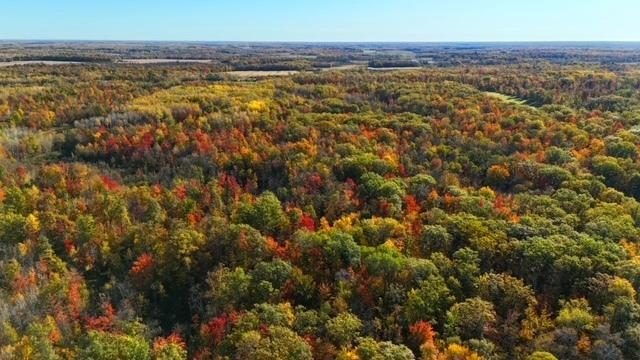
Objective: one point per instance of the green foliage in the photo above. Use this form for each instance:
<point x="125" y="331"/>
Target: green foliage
<point x="430" y="301"/>
<point x="280" y="344"/>
<point x="509" y="295"/>
<point x="471" y="319"/>
<point x="368" y="348"/>
<point x="107" y="346"/>
<point x="344" y="328"/>
<point x="265" y="214"/>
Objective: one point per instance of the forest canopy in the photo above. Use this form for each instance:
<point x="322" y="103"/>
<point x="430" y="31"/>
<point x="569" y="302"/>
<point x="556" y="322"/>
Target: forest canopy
<point x="465" y="207"/>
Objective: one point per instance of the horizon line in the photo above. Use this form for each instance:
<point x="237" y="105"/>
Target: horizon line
<point x="329" y="41"/>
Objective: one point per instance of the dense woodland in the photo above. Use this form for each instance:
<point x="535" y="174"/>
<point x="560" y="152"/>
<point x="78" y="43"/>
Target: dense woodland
<point x="467" y="210"/>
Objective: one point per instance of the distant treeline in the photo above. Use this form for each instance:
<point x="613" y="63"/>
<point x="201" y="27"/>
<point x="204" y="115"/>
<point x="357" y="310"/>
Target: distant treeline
<point x="74" y="58"/>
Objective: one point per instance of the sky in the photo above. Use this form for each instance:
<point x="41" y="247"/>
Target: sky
<point x="322" y="20"/>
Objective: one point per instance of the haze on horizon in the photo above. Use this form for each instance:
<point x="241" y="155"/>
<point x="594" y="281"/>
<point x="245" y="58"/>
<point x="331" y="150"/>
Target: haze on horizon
<point x="327" y="21"/>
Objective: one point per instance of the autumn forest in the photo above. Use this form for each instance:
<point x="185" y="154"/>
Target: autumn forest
<point x="319" y="201"/>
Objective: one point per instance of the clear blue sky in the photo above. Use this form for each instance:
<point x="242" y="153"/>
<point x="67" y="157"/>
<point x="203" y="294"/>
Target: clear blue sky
<point x="322" y="20"/>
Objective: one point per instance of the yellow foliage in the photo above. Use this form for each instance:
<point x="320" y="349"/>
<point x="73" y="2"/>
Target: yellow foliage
<point x="390" y="244"/>
<point x="392" y="158"/>
<point x="33" y="224"/>
<point x="161" y="103"/>
<point x="459" y="352"/>
<point x="632" y="249"/>
<point x="4" y="110"/>
<point x="324" y="224"/>
<point x="620" y="287"/>
<point x="23" y="249"/>
<point x="347" y="354"/>
<point x="346" y="222"/>
<point x="487" y="193"/>
<point x="24" y="349"/>
<point x="257" y="106"/>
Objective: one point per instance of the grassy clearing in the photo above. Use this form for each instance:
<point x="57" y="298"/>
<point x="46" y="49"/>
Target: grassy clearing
<point x="506" y="98"/>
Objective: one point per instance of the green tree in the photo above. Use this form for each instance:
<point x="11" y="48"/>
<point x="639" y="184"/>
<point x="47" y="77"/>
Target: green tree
<point x="344" y="328"/>
<point x="430" y="301"/>
<point x="277" y="343"/>
<point x="509" y="294"/>
<point x="265" y="214"/>
<point x="107" y="346"/>
<point x="471" y="319"/>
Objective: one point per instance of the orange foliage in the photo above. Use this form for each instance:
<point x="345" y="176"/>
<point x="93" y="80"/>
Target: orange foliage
<point x="423" y="332"/>
<point x="142" y="265"/>
<point x="173" y="339"/>
<point x="104" y="322"/>
<point x="194" y="218"/>
<point x="413" y="207"/>
<point x="180" y="191"/>
<point x="76" y="303"/>
<point x="275" y="248"/>
<point x="24" y="282"/>
<point x="584" y="345"/>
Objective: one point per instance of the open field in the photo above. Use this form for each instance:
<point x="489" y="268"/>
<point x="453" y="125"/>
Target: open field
<point x="163" y="61"/>
<point x="37" y="62"/>
<point x="394" y="68"/>
<point x="260" y="73"/>
<point x="506" y="98"/>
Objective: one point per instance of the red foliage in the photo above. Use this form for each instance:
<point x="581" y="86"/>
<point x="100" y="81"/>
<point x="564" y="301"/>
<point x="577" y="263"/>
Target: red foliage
<point x="109" y="183"/>
<point x="314" y="183"/>
<point x="308" y="223"/>
<point x="230" y="185"/>
<point x="104" y="322"/>
<point x="70" y="246"/>
<point x="403" y="170"/>
<point x="217" y="327"/>
<point x="147" y="141"/>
